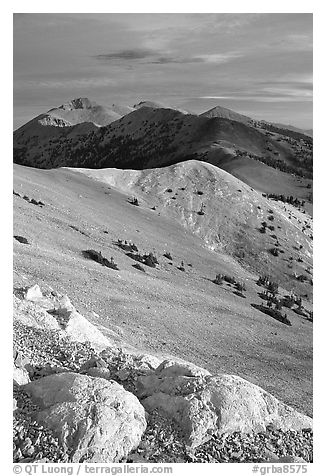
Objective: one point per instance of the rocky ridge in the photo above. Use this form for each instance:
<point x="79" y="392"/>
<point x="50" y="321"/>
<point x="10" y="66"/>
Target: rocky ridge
<point x="90" y="400"/>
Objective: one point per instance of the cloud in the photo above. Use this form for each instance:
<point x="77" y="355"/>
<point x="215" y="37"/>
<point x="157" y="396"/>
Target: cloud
<point x="135" y="54"/>
<point x="64" y="83"/>
<point x="220" y="57"/>
<point x="176" y="60"/>
<point x="261" y="98"/>
<point x="157" y="57"/>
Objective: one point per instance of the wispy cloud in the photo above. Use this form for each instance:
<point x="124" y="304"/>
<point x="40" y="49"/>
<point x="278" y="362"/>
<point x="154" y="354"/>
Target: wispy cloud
<point x="263" y="98"/>
<point x="64" y="83"/>
<point x="158" y="57"/>
<point x="220" y="57"/>
<point x="135" y="54"/>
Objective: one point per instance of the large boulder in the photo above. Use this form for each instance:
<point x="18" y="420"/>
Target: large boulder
<point x="203" y="404"/>
<point x="59" y="314"/>
<point x="77" y="327"/>
<point x="95" y="419"/>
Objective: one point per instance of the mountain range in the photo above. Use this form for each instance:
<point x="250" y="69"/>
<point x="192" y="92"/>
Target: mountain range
<point x="81" y="133"/>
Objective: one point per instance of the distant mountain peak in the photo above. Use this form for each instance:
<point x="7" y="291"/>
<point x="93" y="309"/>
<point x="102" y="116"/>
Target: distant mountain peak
<point x="223" y="112"/>
<point x="158" y="105"/>
<point x="78" y="103"/>
<point x="149" y="104"/>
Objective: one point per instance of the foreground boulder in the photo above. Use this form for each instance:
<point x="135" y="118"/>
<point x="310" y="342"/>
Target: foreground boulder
<point x="93" y="418"/>
<point x="20" y="376"/>
<point x="203" y="404"/>
<point x="33" y="293"/>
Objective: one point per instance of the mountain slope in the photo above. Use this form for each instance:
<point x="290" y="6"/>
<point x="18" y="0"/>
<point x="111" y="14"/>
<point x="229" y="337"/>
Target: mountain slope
<point x="219" y="111"/>
<point x="164" y="310"/>
<point x="231" y="219"/>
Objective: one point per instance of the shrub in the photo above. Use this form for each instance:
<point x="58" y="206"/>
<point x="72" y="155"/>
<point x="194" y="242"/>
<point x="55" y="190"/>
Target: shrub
<point x="21" y="239"/>
<point x="273" y="313"/>
<point x="167" y="255"/>
<point x="240" y="287"/>
<point x="201" y="211"/>
<point x="270" y="285"/>
<point x="274" y="251"/>
<point x="134" y="201"/>
<point x="218" y="279"/>
<point x="126" y="246"/>
<point x="229" y="279"/>
<point x="182" y="266"/>
<point x="97" y="256"/>
<point x="239" y="293"/>
<point x="150" y="260"/>
<point x="139" y="267"/>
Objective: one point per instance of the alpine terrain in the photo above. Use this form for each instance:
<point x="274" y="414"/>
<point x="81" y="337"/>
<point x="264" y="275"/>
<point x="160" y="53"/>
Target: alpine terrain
<point x="163" y="277"/>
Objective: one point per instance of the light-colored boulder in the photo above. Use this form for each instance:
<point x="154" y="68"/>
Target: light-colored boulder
<point x="94" y="418"/>
<point x="205" y="404"/>
<point x="171" y="368"/>
<point x="20" y="360"/>
<point x="60" y="315"/>
<point x="33" y="293"/>
<point x="20" y="376"/>
<point x="78" y="327"/>
<point x="34" y="315"/>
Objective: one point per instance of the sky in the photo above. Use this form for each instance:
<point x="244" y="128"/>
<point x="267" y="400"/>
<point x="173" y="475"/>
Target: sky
<point x="258" y="64"/>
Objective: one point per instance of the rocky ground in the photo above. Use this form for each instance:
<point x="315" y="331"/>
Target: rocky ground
<point x="162" y="443"/>
<point x="41" y="352"/>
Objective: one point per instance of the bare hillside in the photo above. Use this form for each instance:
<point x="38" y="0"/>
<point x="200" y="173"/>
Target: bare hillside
<point x="165" y="309"/>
